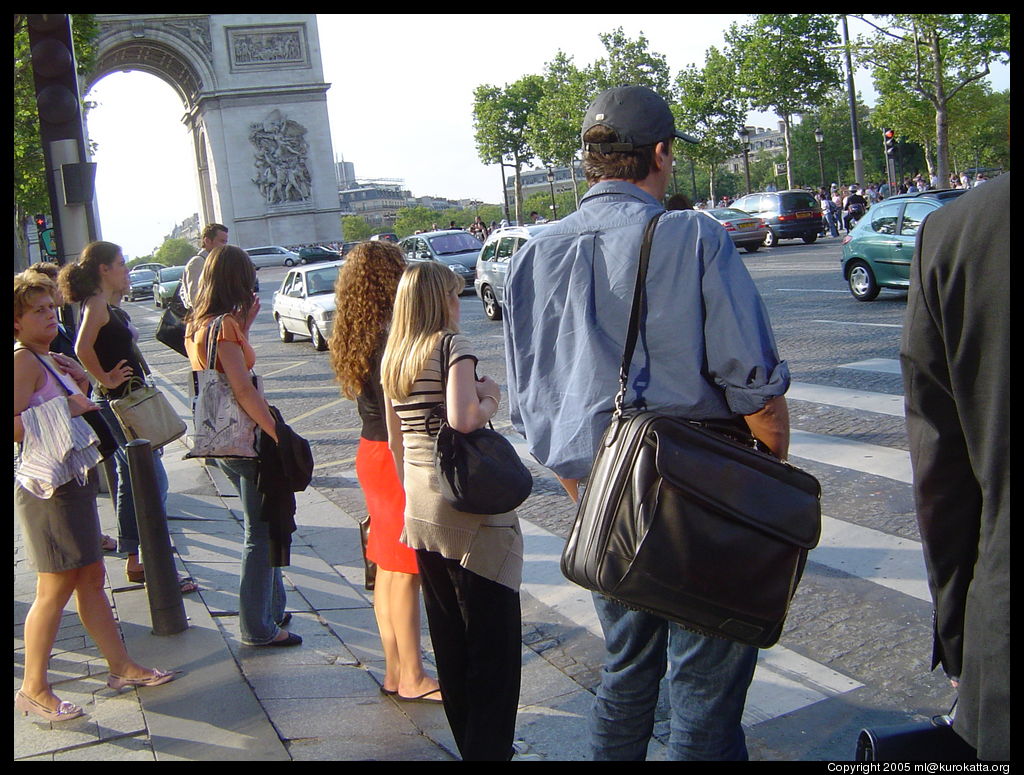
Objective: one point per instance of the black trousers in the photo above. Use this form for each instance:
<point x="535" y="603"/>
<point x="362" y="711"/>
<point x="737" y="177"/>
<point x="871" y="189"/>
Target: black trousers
<point x="475" y="627"/>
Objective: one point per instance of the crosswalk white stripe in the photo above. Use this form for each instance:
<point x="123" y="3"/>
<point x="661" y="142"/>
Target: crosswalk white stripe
<point x="882" y="403"/>
<point x="883" y="365"/>
<point x="887" y="560"/>
<point x="856" y="455"/>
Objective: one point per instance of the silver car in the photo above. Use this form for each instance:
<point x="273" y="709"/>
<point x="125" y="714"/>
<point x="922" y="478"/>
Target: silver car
<point x="492" y="265"/>
<point x="746" y="230"/>
<point x="455" y="248"/>
<point x="304" y="304"/>
<point x="272" y="255"/>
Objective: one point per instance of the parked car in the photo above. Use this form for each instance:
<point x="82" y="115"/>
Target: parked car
<point x="457" y="249"/>
<point x="141" y="283"/>
<point x="492" y="264"/>
<point x="314" y="253"/>
<point x="272" y="255"/>
<point x="165" y="284"/>
<point x="151" y="267"/>
<point x="387" y="236"/>
<point x="745" y="230"/>
<point x="304" y="304"/>
<point x="790" y="214"/>
<point x="877" y="253"/>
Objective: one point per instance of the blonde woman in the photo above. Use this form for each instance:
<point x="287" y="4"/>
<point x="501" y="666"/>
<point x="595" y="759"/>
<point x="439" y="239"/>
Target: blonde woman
<point x="470" y="564"/>
<point x="60" y="523"/>
<point x="365" y="294"/>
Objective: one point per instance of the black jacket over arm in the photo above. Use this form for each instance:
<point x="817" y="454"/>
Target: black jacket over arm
<point x="286" y="467"/>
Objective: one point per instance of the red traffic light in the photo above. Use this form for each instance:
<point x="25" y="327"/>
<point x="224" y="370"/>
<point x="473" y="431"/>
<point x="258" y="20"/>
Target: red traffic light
<point x="888" y="134"/>
<point x="40" y="222"/>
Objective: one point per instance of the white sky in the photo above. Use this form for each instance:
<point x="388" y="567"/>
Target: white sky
<point x="400" y="104"/>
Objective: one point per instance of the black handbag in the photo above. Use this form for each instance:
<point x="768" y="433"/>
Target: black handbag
<point x="924" y="741"/>
<point x="171" y="328"/>
<point x="692" y="522"/>
<point x="477" y="472"/>
<point x="369" y="566"/>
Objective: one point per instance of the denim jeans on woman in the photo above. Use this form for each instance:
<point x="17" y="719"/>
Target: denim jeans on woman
<point x="708" y="682"/>
<point x="124" y="500"/>
<point x="261" y="595"/>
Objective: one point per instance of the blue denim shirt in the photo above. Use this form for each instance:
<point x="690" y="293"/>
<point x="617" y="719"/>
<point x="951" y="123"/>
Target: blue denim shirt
<point x="708" y="352"/>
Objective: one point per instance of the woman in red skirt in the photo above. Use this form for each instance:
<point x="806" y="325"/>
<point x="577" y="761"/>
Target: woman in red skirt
<point x="365" y="294"/>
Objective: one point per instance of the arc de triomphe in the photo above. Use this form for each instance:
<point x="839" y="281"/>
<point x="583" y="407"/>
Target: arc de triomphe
<point x="256" y="104"/>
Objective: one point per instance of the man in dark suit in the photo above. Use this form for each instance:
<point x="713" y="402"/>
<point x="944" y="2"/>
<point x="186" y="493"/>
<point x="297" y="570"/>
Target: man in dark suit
<point x="955" y="356"/>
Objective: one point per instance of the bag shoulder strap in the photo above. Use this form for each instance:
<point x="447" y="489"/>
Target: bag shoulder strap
<point x="639" y="293"/>
<point x="47" y="367"/>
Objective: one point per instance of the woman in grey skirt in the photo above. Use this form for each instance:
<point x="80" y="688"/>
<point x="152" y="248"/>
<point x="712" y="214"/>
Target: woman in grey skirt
<point x="56" y="504"/>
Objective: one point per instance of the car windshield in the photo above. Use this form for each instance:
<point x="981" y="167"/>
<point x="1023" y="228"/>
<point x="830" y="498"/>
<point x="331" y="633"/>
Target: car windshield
<point x="171" y="273"/>
<point x="450" y="244"/>
<point x="726" y="213"/>
<point x="321" y="281"/>
<point x="142" y="275"/>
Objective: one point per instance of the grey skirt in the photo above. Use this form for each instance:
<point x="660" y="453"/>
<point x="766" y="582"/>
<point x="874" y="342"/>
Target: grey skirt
<point x="61" y="532"/>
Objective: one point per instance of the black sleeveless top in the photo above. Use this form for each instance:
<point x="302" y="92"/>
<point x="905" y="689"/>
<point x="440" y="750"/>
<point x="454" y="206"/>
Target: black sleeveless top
<point x="370" y="402"/>
<point x="114" y="343"/>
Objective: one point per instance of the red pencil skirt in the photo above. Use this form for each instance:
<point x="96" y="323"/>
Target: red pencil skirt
<point x="385" y="500"/>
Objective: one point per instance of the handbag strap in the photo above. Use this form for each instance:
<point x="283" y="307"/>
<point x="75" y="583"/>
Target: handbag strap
<point x="47" y="367"/>
<point x="639" y="295"/>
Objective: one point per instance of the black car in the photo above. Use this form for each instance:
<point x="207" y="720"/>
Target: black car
<point x="793" y="214"/>
<point x="316" y="253"/>
<point x="141" y="284"/>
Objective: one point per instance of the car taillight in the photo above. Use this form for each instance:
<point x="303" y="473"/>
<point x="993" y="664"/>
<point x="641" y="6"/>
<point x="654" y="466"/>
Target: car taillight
<point x="728" y="226"/>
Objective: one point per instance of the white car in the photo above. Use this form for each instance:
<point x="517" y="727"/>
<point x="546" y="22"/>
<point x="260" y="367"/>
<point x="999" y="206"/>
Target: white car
<point x="272" y="255"/>
<point x="304" y="304"/>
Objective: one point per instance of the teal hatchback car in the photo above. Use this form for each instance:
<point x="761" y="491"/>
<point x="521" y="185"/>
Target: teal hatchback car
<point x="877" y="253"/>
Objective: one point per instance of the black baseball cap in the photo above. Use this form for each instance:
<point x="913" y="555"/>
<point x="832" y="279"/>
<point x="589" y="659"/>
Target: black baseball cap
<point x="638" y="115"/>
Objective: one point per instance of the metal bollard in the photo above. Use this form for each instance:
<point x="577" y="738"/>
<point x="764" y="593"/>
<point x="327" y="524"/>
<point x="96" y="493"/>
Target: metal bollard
<point x="166" y="608"/>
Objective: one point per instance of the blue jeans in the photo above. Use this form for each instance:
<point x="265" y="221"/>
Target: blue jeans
<point x="708" y="682"/>
<point x="124" y="500"/>
<point x="261" y="595"/>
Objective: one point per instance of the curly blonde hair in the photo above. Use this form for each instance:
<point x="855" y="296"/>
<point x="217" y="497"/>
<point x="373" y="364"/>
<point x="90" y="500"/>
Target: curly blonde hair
<point x="364" y="299"/>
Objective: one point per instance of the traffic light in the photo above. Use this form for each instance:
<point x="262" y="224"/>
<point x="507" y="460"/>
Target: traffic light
<point x="890" y="142"/>
<point x="53" y="67"/>
<point x="40" y="222"/>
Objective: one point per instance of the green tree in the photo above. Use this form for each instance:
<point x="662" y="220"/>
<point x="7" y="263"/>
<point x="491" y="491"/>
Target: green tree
<point x="501" y="117"/>
<point x="30" y="194"/>
<point x="355" y="228"/>
<point x="629" y="63"/>
<point x="174" y="252"/>
<point x="707" y="105"/>
<point x="554" y="133"/>
<point x="934" y="56"/>
<point x="410" y="220"/>
<point x="787" y="63"/>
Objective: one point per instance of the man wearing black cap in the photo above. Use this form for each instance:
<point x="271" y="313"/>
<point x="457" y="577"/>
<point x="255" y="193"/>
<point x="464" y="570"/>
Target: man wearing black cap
<point x="707" y="352"/>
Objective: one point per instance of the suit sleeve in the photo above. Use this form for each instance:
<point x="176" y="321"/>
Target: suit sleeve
<point x="947" y="494"/>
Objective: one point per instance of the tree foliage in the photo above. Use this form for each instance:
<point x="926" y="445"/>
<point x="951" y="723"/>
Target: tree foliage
<point x="174" y="252"/>
<point x="933" y="57"/>
<point x="787" y="63"/>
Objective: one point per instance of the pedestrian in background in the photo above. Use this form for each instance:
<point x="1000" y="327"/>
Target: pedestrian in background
<point x="225" y="289"/>
<point x="55" y="501"/>
<point x="712" y="355"/>
<point x="365" y="295"/>
<point x="956" y="361"/>
<point x="106" y="347"/>
<point x="214" y="235"/>
<point x="470" y="564"/>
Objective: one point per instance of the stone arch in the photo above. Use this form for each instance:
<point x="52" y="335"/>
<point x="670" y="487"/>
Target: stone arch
<point x="246" y="82"/>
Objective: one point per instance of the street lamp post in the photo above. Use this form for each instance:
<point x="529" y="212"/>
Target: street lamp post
<point x="744" y="134"/>
<point x="819" y="138"/>
<point x="551" y="185"/>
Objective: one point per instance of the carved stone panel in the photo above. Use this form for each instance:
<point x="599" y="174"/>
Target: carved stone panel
<point x="282" y="173"/>
<point x="267" y="48"/>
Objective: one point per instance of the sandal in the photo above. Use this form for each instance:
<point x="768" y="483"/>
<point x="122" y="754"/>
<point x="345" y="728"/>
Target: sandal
<point x="108" y="544"/>
<point x="421" y="698"/>
<point x="186" y="583"/>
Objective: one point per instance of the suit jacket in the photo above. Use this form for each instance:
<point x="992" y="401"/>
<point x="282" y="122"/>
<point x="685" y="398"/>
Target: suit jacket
<point x="955" y="356"/>
<point x="285" y="468"/>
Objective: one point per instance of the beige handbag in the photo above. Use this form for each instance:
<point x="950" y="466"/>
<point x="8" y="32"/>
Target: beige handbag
<point x="145" y="413"/>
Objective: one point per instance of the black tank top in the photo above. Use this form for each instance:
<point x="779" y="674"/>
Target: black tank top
<point x="113" y="345"/>
<point x="371" y="402"/>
